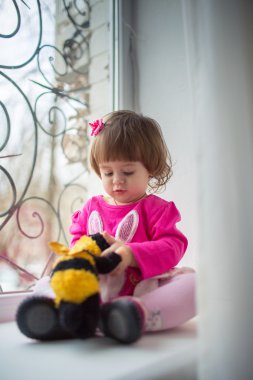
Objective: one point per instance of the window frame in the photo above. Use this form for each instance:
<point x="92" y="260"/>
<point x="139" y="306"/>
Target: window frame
<point x="10" y="300"/>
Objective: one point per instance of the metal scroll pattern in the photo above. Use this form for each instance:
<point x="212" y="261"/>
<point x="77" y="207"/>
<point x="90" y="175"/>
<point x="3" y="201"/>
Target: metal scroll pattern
<point x="43" y="139"/>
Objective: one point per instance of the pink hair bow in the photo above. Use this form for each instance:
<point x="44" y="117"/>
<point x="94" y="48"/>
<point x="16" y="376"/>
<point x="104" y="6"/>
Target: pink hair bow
<point x="96" y="126"/>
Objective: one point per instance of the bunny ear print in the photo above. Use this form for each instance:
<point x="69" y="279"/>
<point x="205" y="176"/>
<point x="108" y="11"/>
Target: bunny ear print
<point x="58" y="248"/>
<point x="127" y="227"/>
<point x="95" y="224"/>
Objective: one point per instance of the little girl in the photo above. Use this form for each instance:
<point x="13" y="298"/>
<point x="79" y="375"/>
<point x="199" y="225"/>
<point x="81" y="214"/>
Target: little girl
<point x="146" y="292"/>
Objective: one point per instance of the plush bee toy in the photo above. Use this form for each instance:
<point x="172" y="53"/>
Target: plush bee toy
<point x="74" y="313"/>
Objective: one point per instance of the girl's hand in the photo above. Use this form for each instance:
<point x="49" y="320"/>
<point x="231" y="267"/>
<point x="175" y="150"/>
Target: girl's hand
<point x="121" y="249"/>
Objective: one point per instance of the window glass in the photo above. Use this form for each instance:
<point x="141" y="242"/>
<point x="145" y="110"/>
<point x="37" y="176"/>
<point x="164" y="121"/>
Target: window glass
<point x="55" y="70"/>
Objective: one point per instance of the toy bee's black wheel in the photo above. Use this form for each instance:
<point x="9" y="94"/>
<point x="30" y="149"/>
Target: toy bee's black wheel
<point x="37" y="318"/>
<point x="80" y="320"/>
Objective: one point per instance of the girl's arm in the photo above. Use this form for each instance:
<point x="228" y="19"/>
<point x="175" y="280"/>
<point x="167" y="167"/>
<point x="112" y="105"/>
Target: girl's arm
<point x="124" y="251"/>
<point x="166" y="246"/>
<point x="78" y="225"/>
<point x="161" y="252"/>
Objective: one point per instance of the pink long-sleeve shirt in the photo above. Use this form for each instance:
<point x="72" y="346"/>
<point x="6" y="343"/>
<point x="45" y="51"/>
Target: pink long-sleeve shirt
<point x="147" y="226"/>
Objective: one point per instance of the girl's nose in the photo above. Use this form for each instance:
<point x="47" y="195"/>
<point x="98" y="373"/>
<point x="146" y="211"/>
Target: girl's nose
<point x="118" y="179"/>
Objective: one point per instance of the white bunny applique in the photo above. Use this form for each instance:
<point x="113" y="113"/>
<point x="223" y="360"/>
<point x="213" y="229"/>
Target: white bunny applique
<point x="125" y="230"/>
<point x="111" y="286"/>
<point x="127" y="227"/>
<point x="95" y="223"/>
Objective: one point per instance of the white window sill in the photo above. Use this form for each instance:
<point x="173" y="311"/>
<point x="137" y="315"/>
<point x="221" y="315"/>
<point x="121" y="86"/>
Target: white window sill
<point x="166" y="355"/>
<point x="9" y="302"/>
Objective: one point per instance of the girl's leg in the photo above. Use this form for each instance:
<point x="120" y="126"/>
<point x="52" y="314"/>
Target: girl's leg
<point x="171" y="304"/>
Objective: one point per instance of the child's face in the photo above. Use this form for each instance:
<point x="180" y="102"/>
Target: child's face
<point x="124" y="181"/>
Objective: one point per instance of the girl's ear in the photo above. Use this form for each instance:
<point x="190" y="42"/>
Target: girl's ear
<point x="127" y="227"/>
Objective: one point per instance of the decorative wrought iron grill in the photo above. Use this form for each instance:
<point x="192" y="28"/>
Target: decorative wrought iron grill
<point x="45" y="89"/>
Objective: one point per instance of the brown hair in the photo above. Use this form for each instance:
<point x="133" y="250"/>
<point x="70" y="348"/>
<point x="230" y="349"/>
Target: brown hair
<point x="129" y="136"/>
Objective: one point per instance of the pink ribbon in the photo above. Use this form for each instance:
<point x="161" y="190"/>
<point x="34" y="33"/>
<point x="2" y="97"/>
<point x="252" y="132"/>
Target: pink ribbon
<point x="96" y="126"/>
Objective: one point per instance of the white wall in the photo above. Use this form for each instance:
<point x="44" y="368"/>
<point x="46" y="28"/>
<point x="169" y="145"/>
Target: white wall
<point x="221" y="62"/>
<point x="194" y="75"/>
<point x="161" y="91"/>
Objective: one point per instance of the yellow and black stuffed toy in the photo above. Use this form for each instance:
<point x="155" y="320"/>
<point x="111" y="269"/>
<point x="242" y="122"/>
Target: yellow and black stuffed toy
<point x="74" y="313"/>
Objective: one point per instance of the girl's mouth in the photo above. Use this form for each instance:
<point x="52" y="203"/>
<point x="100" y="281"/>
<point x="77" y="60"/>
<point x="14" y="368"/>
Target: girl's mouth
<point x="119" y="191"/>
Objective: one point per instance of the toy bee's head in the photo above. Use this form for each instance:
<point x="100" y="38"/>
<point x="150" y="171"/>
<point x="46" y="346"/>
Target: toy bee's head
<point x="86" y="247"/>
<point x="86" y="244"/>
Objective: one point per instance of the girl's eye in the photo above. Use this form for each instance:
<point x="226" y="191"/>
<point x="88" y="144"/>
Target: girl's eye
<point x="107" y="174"/>
<point x="128" y="173"/>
